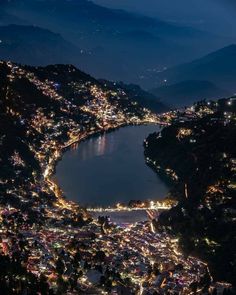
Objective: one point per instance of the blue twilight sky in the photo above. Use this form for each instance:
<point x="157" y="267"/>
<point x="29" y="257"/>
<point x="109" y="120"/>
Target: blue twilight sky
<point x="214" y="15"/>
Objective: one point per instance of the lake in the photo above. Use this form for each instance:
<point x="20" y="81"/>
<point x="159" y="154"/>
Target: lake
<point x="110" y="168"/>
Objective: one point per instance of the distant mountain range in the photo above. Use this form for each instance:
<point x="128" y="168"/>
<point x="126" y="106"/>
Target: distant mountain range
<point x="213" y="75"/>
<point x="187" y="92"/>
<point x="119" y="45"/>
<point x="7" y="18"/>
<point x="36" y="46"/>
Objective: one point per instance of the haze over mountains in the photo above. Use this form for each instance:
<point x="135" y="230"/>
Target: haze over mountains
<point x="121" y="45"/>
<point x="211" y="76"/>
<point x="118" y="45"/>
<point x="36" y="46"/>
<point x="217" y="16"/>
<point x="187" y="92"/>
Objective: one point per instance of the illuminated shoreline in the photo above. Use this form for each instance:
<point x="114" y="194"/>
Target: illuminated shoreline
<point x="49" y="171"/>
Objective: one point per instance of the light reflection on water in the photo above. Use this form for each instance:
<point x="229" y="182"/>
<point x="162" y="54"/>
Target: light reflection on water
<point x="110" y="168"/>
<point x="95" y="147"/>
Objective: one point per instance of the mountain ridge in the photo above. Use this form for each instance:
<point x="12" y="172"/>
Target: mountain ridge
<point x="36" y="46"/>
<point x="217" y="69"/>
<point x="187" y="92"/>
<point x="90" y="26"/>
<point x="212" y="64"/>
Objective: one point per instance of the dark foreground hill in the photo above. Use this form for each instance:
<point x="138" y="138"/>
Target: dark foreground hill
<point x="200" y="154"/>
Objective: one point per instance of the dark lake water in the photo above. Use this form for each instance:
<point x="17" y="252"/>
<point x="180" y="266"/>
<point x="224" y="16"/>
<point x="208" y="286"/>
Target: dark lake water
<point x="110" y="168"/>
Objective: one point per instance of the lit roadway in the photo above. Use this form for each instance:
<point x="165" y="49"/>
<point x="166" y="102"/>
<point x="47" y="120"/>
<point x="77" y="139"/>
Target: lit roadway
<point x="155" y="207"/>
